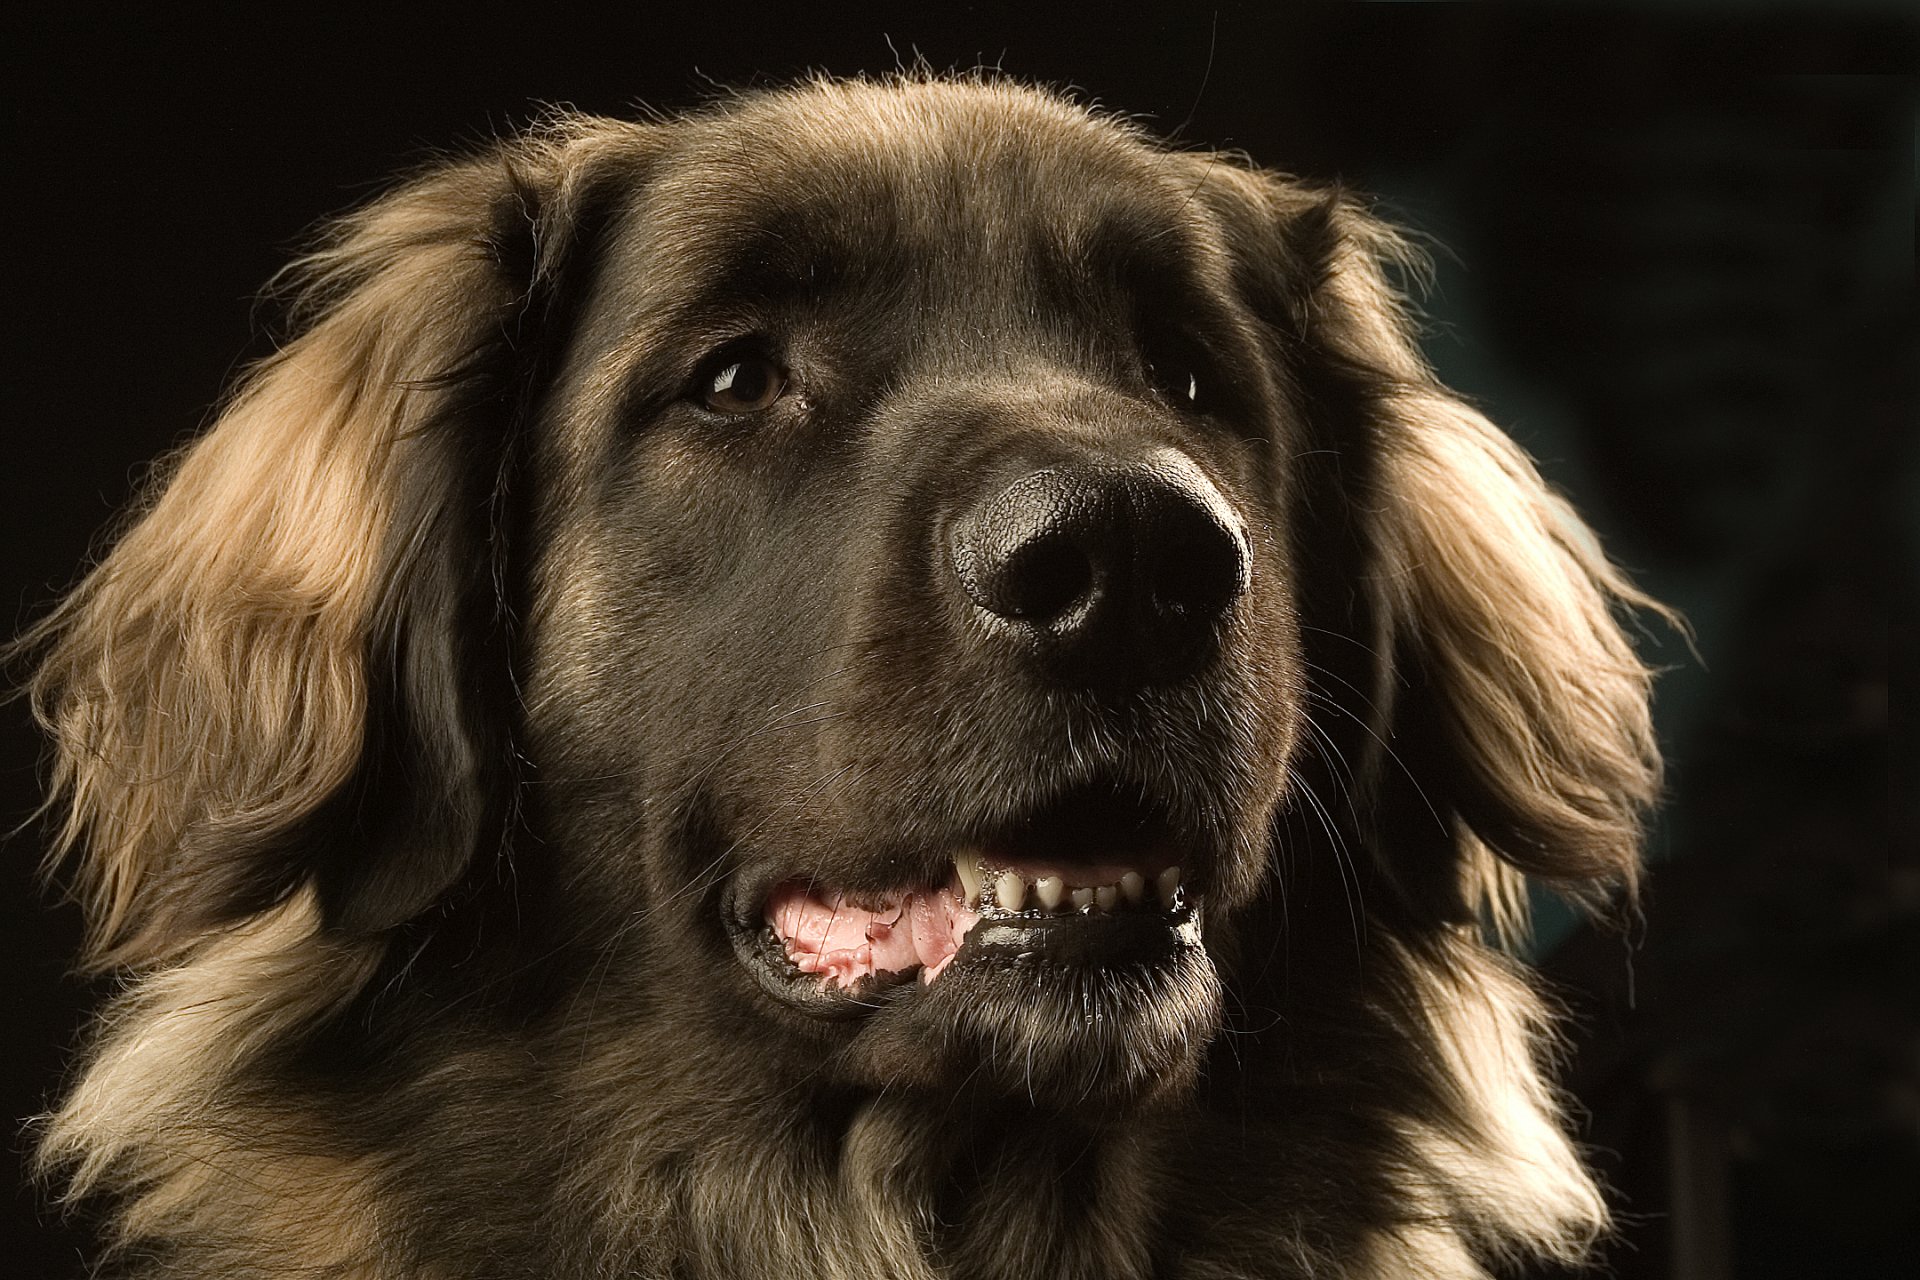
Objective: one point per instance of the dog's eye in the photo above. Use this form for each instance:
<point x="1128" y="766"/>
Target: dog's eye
<point x="747" y="384"/>
<point x="1179" y="384"/>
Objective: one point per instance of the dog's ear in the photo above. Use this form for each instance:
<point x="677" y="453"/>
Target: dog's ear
<point x="1499" y="714"/>
<point x="1525" y="711"/>
<point x="292" y="669"/>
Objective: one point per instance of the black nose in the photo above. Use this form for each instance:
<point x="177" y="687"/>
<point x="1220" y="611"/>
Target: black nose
<point x="1112" y="574"/>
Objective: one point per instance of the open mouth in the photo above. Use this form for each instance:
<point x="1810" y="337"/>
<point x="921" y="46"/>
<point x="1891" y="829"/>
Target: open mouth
<point x="1038" y="898"/>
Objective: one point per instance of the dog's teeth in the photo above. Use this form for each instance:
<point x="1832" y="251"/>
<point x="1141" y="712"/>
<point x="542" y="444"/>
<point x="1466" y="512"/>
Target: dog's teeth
<point x="1082" y="899"/>
<point x="1133" y="887"/>
<point x="970" y="877"/>
<point x="1168" y="887"/>
<point x="1106" y="897"/>
<point x="1010" y="891"/>
<point x="1049" y="890"/>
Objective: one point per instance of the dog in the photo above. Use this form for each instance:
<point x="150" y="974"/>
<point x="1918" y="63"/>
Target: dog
<point x="885" y="679"/>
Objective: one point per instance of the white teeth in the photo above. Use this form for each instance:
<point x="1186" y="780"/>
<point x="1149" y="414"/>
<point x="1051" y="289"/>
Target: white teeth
<point x="1049" y="889"/>
<point x="1011" y="891"/>
<point x="970" y="879"/>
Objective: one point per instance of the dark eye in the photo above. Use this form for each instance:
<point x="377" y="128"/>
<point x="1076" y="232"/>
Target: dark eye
<point x="742" y="384"/>
<point x="1179" y="384"/>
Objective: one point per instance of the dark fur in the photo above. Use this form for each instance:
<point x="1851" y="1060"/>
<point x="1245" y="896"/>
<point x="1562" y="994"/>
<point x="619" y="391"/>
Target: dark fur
<point x="421" y="734"/>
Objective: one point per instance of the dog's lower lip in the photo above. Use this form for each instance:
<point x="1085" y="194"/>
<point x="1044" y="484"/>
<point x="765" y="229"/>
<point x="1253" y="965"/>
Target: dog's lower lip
<point x="1132" y="938"/>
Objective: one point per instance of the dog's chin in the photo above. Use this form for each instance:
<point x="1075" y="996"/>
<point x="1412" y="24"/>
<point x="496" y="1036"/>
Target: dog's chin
<point x="1050" y="1030"/>
<point x="1074" y="1010"/>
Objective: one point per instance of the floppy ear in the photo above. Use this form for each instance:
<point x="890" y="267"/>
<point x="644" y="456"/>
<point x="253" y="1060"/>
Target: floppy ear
<point x="294" y="667"/>
<point x="1503" y="713"/>
<point x="1526" y="711"/>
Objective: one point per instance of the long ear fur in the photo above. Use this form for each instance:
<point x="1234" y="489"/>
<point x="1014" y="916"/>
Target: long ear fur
<point x="285" y="671"/>
<point x="1532" y="703"/>
<point x="1503" y="717"/>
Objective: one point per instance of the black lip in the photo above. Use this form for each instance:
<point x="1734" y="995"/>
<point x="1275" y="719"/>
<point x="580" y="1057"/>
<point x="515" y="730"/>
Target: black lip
<point x="765" y="957"/>
<point x="1081" y="940"/>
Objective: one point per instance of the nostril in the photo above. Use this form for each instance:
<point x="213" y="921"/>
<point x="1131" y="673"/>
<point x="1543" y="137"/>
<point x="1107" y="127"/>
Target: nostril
<point x="1039" y="548"/>
<point x="1195" y="576"/>
<point x="1042" y="579"/>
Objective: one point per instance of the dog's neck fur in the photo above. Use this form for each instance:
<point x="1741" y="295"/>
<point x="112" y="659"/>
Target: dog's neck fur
<point x="829" y="1182"/>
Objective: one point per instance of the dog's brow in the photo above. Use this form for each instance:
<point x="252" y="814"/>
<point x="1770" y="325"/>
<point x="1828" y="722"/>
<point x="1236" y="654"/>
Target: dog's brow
<point x="778" y="263"/>
<point x="782" y="258"/>
<point x="1137" y="244"/>
<point x="709" y="277"/>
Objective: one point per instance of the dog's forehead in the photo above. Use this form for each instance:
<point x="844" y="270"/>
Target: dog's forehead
<point x="923" y="131"/>
<point x="803" y="181"/>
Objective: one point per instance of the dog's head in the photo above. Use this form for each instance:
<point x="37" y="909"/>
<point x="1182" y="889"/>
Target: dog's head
<point x="919" y="566"/>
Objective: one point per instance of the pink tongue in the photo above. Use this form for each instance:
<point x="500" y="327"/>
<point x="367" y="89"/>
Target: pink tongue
<point x="844" y="943"/>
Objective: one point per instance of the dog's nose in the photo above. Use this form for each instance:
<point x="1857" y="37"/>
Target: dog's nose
<point x="1114" y="574"/>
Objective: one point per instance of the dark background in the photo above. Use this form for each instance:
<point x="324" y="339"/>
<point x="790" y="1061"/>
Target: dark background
<point x="1677" y="264"/>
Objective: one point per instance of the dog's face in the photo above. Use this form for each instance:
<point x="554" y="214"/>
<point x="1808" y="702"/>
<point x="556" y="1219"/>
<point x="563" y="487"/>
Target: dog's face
<point x="854" y="630"/>
<point x="916" y="558"/>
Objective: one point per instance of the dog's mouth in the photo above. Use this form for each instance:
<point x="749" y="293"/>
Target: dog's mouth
<point x="1109" y="893"/>
<point x="1057" y="911"/>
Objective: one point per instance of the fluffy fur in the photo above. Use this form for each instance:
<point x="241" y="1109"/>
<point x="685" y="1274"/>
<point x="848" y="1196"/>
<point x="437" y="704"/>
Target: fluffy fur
<point x="427" y="727"/>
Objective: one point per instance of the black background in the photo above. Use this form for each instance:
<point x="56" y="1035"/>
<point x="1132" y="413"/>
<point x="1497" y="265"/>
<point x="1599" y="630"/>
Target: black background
<point x="1677" y="264"/>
